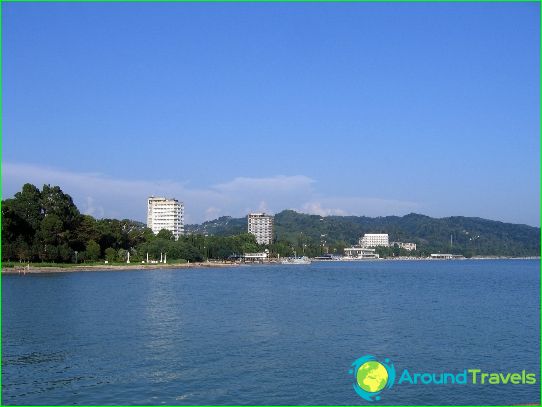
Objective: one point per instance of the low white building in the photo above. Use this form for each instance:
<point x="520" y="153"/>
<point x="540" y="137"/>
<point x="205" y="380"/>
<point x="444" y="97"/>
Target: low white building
<point x="356" y="252"/>
<point x="374" y="240"/>
<point x="256" y="257"/>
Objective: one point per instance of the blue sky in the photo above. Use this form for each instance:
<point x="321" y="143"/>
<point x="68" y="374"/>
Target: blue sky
<point x="365" y="109"/>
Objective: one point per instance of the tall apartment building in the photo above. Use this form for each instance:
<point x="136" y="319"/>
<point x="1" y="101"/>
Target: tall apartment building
<point x="163" y="213"/>
<point x="261" y="226"/>
<point x="374" y="239"/>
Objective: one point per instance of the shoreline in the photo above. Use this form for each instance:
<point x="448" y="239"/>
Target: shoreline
<point x="128" y="267"/>
<point x="106" y="267"/>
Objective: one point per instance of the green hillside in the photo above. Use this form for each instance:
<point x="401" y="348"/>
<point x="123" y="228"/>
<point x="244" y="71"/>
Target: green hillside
<point x="471" y="236"/>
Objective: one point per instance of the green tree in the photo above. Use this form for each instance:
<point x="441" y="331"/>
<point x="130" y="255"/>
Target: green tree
<point x="21" y="220"/>
<point x="138" y="235"/>
<point x="14" y="225"/>
<point x="81" y="256"/>
<point x="27" y="204"/>
<point x="51" y="229"/>
<point x="190" y="252"/>
<point x="112" y="234"/>
<point x="49" y="253"/>
<point x="122" y="255"/>
<point x="86" y="230"/>
<point x="54" y="201"/>
<point x="110" y="254"/>
<point x="165" y="234"/>
<point x="65" y="253"/>
<point x="246" y="243"/>
<point x="92" y="250"/>
<point x="21" y="249"/>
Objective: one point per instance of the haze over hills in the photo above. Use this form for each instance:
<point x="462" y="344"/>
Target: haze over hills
<point x="470" y="236"/>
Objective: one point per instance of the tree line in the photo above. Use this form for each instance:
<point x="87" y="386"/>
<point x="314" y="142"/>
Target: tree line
<point x="457" y="234"/>
<point x="46" y="226"/>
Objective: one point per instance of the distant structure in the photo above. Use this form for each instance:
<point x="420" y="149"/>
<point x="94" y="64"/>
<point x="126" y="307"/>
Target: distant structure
<point x="163" y="213"/>
<point x="446" y="256"/>
<point x="404" y="245"/>
<point x="356" y="252"/>
<point x="261" y="226"/>
<point x="256" y="257"/>
<point x="374" y="240"/>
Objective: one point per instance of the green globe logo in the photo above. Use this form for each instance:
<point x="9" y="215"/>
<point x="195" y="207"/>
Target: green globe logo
<point x="372" y="376"/>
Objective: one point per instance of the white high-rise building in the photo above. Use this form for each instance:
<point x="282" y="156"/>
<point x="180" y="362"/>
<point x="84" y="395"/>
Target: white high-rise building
<point x="261" y="226"/>
<point x="374" y="240"/>
<point x="163" y="213"/>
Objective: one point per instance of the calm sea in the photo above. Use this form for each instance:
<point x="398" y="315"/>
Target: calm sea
<point x="268" y="334"/>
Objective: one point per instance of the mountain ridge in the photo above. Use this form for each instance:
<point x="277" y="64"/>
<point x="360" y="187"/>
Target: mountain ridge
<point x="455" y="234"/>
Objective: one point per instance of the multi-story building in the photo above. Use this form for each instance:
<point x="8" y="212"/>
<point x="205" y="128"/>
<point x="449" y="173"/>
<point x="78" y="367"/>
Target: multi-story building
<point x="163" y="213"/>
<point x="261" y="226"/>
<point x="374" y="240"/>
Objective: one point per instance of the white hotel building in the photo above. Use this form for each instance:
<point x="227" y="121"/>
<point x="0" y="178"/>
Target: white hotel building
<point x="163" y="213"/>
<point x="374" y="240"/>
<point x="261" y="226"/>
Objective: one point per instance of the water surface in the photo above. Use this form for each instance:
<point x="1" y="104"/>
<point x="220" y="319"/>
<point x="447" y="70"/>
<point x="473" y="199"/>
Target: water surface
<point x="268" y="334"/>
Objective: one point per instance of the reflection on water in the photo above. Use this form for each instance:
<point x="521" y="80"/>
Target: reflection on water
<point x="267" y="334"/>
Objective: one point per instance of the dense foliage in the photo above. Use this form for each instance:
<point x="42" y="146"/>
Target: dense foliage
<point x="456" y="235"/>
<point x="46" y="226"/>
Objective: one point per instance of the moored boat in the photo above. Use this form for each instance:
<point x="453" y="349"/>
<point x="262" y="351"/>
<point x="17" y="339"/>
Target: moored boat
<point x="296" y="260"/>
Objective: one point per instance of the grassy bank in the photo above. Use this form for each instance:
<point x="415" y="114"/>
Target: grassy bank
<point x="16" y="264"/>
<point x="36" y="268"/>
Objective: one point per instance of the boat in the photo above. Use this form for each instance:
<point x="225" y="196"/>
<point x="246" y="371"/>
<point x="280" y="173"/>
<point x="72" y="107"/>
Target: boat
<point x="325" y="257"/>
<point x="296" y="260"/>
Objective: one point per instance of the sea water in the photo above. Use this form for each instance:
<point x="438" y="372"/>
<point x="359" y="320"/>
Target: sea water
<point x="270" y="334"/>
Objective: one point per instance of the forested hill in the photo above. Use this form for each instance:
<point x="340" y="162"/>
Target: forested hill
<point x="471" y="236"/>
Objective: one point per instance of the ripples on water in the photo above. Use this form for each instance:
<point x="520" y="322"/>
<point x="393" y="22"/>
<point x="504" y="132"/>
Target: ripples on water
<point x="267" y="334"/>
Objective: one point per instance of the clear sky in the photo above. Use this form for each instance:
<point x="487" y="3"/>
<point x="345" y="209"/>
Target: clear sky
<point x="366" y="109"/>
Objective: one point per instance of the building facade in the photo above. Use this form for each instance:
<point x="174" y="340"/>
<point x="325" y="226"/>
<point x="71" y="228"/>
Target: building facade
<point x="261" y="226"/>
<point x="163" y="213"/>
<point x="256" y="257"/>
<point x="356" y="252"/>
<point x="374" y="240"/>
